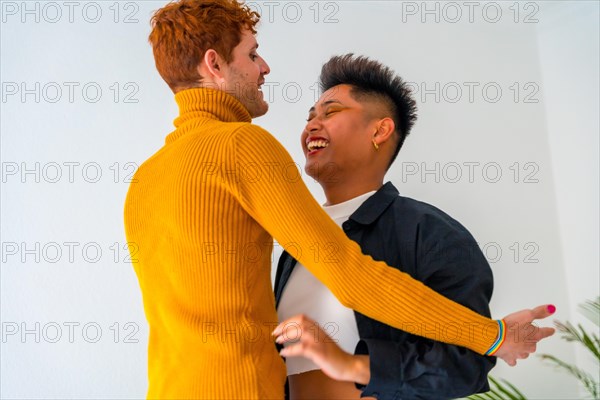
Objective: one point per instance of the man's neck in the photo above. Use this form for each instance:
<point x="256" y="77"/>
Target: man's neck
<point x="337" y="194"/>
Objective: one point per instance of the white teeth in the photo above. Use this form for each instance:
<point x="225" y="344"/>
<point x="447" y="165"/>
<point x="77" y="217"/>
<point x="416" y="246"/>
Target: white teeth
<point x="317" y="144"/>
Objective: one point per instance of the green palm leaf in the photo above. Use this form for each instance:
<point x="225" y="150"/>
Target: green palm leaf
<point x="499" y="390"/>
<point x="503" y="390"/>
<point x="591" y="310"/>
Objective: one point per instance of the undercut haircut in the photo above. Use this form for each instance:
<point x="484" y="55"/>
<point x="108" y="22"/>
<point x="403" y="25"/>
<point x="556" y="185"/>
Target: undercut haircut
<point x="372" y="81"/>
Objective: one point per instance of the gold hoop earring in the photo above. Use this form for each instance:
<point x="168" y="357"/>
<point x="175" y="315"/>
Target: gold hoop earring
<point x="375" y="145"/>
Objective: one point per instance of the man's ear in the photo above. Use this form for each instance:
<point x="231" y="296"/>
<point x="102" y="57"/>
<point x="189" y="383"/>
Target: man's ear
<point x="211" y="67"/>
<point x="385" y="130"/>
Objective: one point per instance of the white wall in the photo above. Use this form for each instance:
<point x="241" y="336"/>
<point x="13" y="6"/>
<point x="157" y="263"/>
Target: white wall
<point x="568" y="48"/>
<point x="538" y="226"/>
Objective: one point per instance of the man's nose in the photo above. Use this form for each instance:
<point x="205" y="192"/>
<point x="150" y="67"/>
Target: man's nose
<point x="264" y="68"/>
<point x="313" y="125"/>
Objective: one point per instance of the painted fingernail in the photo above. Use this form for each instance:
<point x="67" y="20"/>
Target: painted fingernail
<point x="551" y="309"/>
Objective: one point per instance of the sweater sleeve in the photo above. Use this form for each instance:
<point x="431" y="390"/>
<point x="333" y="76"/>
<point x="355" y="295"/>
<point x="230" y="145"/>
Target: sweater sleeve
<point x="269" y="187"/>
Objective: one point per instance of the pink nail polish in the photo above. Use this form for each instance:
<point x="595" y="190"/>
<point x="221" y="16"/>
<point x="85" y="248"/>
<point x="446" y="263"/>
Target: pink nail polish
<point x="551" y="309"/>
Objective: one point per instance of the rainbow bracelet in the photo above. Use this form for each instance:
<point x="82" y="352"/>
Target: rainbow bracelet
<point x="499" y="340"/>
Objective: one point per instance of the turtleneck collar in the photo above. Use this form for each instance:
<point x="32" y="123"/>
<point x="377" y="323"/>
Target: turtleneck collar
<point x="204" y="103"/>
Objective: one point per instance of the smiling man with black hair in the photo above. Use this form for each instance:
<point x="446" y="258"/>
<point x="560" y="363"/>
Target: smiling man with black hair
<point x="358" y="126"/>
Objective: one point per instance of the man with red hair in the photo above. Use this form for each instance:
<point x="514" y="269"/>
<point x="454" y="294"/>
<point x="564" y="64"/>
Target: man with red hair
<point x="204" y="210"/>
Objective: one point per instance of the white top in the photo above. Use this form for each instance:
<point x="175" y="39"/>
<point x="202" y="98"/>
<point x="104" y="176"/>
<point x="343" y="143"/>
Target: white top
<point x="305" y="294"/>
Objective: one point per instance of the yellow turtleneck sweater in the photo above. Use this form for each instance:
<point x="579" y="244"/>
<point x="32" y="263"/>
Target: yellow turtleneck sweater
<point x="203" y="211"/>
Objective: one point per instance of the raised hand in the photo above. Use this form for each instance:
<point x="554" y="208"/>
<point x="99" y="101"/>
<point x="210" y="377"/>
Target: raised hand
<point x="522" y="335"/>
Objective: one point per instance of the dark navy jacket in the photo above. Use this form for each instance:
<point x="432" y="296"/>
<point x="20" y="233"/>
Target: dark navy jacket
<point x="432" y="247"/>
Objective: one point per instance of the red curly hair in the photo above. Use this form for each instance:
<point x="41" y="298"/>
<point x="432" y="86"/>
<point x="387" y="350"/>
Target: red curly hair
<point x="183" y="30"/>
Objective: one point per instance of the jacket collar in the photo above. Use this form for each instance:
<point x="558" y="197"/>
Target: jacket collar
<point x="375" y="205"/>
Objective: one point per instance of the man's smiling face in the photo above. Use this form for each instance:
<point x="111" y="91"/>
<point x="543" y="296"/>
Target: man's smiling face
<point x="338" y="134"/>
<point x="245" y="74"/>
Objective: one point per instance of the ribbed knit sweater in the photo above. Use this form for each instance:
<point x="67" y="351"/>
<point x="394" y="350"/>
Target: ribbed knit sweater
<point x="202" y="213"/>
